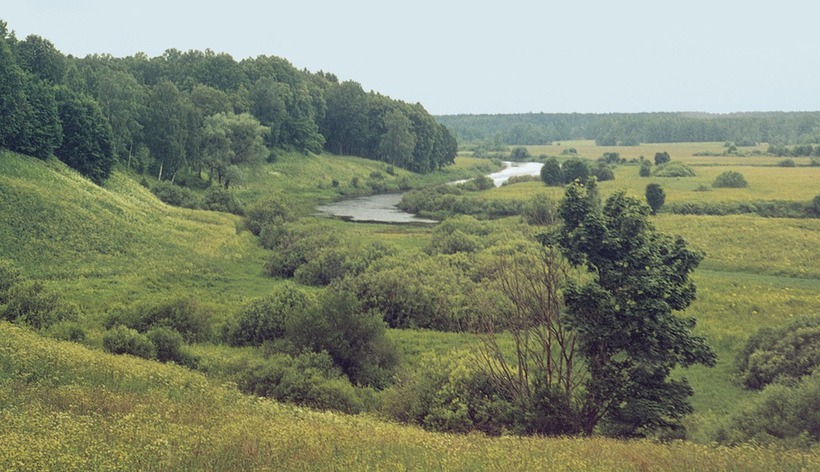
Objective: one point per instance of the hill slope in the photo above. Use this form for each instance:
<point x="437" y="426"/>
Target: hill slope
<point x="65" y="407"/>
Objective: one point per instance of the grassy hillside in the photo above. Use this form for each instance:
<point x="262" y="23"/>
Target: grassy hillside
<point x="65" y="407"/>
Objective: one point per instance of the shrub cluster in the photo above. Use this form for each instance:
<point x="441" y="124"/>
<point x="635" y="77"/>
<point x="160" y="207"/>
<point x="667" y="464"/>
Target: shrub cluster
<point x="768" y="209"/>
<point x="673" y="169"/>
<point x="730" y="179"/>
<point x="214" y="199"/>
<point x="554" y="174"/>
<point x="792" y="351"/>
<point x="29" y="303"/>
<point x="449" y="200"/>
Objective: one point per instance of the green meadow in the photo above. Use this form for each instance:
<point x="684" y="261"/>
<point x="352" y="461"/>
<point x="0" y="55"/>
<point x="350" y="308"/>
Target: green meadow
<point x="65" y="406"/>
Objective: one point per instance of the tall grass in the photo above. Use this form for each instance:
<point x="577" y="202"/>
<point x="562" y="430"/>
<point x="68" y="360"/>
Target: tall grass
<point x="64" y="407"/>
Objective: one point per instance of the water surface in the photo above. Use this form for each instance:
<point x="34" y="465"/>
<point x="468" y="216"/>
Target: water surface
<point x="383" y="208"/>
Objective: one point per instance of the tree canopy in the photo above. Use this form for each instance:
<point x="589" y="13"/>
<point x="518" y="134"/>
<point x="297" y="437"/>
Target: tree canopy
<point x="623" y="312"/>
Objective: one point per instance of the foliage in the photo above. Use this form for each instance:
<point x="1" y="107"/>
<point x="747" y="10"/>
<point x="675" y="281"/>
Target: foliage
<point x="646" y="169"/>
<point x="266" y="214"/>
<point x="662" y="158"/>
<point x="730" y="179"/>
<point x="602" y="171"/>
<point x="673" y="169"/>
<point x="415" y="290"/>
<point x="541" y="211"/>
<point x="790" y="352"/>
<point x="266" y="319"/>
<point x="309" y="379"/>
<point x="623" y="314"/>
<point x="575" y="169"/>
<point x="351" y="334"/>
<point x="29" y="303"/>
<point x="123" y="340"/>
<point x="86" y="145"/>
<point x="655" y="197"/>
<point x="187" y="316"/>
<point x="786" y="413"/>
<point x="519" y="154"/>
<point x="69" y="407"/>
<point x="168" y="344"/>
<point x="175" y="195"/>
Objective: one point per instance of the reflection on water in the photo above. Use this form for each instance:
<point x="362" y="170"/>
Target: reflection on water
<point x="374" y="208"/>
<point x="384" y="208"/>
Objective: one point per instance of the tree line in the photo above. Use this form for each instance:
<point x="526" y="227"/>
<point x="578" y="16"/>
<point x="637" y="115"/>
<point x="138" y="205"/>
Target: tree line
<point x="629" y="129"/>
<point x="199" y="112"/>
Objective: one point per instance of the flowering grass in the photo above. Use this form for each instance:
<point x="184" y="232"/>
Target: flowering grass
<point x="65" y="407"/>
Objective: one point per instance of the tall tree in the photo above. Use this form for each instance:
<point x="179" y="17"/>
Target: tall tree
<point x="86" y="144"/>
<point x="165" y="125"/>
<point x="39" y="57"/>
<point x="397" y="143"/>
<point x="623" y="314"/>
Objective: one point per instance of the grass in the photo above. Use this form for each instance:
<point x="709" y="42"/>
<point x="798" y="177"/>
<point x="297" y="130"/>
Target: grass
<point x="65" y="407"/>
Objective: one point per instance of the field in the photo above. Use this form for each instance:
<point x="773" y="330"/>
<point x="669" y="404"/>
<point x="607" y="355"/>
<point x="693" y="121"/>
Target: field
<point x="67" y="407"/>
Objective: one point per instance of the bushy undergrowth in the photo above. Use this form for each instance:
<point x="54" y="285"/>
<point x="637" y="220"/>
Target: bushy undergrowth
<point x="791" y="352"/>
<point x="187" y="316"/>
<point x="214" y="199"/>
<point x="768" y="209"/>
<point x="448" y="200"/>
<point x="673" y="169"/>
<point x="29" y="303"/>
<point x="730" y="179"/>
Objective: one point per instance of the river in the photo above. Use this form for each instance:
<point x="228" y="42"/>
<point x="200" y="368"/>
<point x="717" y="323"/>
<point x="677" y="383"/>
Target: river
<point x="383" y="208"/>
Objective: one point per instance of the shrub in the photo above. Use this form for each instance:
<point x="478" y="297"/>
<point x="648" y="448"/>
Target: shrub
<point x="541" y="211"/>
<point x="786" y="163"/>
<point x="785" y="413"/>
<point x="29" y="303"/>
<point x="813" y="209"/>
<point x="730" y="179"/>
<point x="168" y="346"/>
<point x="185" y="315"/>
<point x="175" y="195"/>
<point x="602" y="171"/>
<point x="479" y="183"/>
<point x="674" y="169"/>
<point x="353" y="336"/>
<point x="268" y="212"/>
<point x="613" y="158"/>
<point x="646" y="169"/>
<point x="67" y="331"/>
<point x="9" y="276"/>
<point x="124" y="340"/>
<point x="309" y="379"/>
<point x="575" y="169"/>
<point x="219" y="199"/>
<point x="266" y="319"/>
<point x="655" y="197"/>
<point x="792" y="351"/>
<point x="519" y="153"/>
<point x="662" y="158"/>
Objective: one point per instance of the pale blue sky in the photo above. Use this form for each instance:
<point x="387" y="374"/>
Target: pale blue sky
<point x="483" y="57"/>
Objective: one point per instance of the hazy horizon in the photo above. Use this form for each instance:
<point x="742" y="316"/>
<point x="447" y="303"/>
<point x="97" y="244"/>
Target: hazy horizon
<point x="462" y="58"/>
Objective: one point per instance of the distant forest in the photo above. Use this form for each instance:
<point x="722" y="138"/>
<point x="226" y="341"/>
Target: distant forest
<point x="630" y="129"/>
<point x="198" y="112"/>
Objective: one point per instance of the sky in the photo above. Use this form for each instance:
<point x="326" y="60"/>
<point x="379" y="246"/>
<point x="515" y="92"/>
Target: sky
<point x="512" y="56"/>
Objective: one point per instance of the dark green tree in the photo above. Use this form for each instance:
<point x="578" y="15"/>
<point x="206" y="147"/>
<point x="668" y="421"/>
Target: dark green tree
<point x="662" y="158"/>
<point x="86" y="144"/>
<point x="397" y="143"/>
<point x="623" y="313"/>
<point x="39" y="57"/>
<point x="575" y="169"/>
<point x="165" y="128"/>
<point x="646" y="169"/>
<point x="655" y="197"/>
<point x="551" y="173"/>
